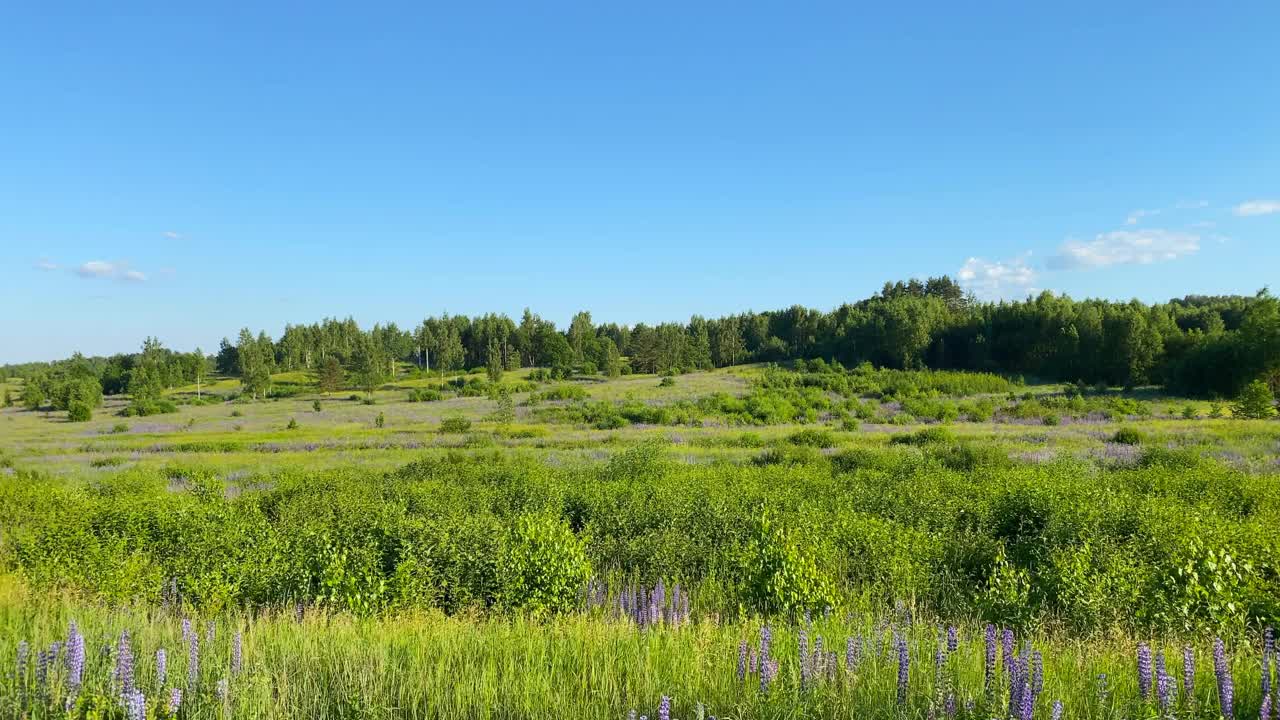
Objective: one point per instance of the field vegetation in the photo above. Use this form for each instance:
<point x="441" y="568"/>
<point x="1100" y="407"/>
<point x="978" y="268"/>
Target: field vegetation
<point x="831" y="515"/>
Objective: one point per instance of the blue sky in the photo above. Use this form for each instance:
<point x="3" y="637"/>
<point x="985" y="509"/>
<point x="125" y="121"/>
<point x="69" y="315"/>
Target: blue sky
<point x="182" y="172"/>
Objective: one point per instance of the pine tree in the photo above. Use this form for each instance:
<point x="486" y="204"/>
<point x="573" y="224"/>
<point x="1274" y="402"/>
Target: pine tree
<point x="494" y="366"/>
<point x="331" y="375"/>
<point x="612" y="358"/>
<point x="1256" y="402"/>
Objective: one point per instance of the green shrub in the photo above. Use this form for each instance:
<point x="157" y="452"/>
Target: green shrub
<point x="1127" y="436"/>
<point x="667" y="381"/>
<point x="924" y="436"/>
<point x="143" y="408"/>
<point x="315" y="405"/>
<point x="425" y="395"/>
<point x="812" y="438"/>
<point x="293" y="424"/>
<point x="79" y="412"/>
<point x="455" y="425"/>
<point x="544" y="565"/>
<point x="119" y="428"/>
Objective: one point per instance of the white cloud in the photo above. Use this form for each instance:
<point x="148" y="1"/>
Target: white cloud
<point x="1136" y="216"/>
<point x="102" y="269"/>
<point x="96" y="269"/>
<point x="1125" y="247"/>
<point x="172" y="235"/>
<point x="993" y="280"/>
<point x="46" y="264"/>
<point x="1257" y="207"/>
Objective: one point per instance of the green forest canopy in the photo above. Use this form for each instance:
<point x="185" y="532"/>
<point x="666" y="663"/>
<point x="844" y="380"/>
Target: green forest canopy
<point x="1197" y="345"/>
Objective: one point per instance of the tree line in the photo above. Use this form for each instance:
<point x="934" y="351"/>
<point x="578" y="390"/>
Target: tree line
<point x="1198" y="345"/>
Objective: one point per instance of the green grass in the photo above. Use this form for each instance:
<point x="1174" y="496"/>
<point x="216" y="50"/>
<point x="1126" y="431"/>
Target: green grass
<point x="427" y="665"/>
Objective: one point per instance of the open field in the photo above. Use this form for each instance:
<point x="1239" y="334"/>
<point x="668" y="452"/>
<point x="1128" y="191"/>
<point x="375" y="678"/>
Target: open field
<point x="432" y="565"/>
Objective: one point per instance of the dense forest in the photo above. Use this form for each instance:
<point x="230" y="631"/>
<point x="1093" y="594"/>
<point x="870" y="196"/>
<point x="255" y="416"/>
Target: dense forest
<point x="1196" y="345"/>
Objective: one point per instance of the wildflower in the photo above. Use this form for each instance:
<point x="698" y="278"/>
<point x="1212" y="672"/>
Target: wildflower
<point x="1265" y="712"/>
<point x="804" y="659"/>
<point x="989" y="670"/>
<point x="24" y="651"/>
<point x="904" y="670"/>
<point x="768" y="671"/>
<point x="742" y="661"/>
<point x="74" y="661"/>
<point x="953" y="639"/>
<point x="124" y="668"/>
<point x="221" y="690"/>
<point x="949" y="705"/>
<point x="209" y="629"/>
<point x="193" y="660"/>
<point x="136" y="705"/>
<point x="162" y="667"/>
<point x="1164" y="685"/>
<point x="1226" y="687"/>
<point x="766" y="639"/>
<point x="175" y="700"/>
<point x="1037" y="673"/>
<point x="664" y="708"/>
<point x="1144" y="671"/>
<point x="1006" y="658"/>
<point x="1188" y="671"/>
<point x="754" y="665"/>
<point x="852" y="647"/>
<point x="1057" y="710"/>
<point x="1026" y="700"/>
<point x="237" y="653"/>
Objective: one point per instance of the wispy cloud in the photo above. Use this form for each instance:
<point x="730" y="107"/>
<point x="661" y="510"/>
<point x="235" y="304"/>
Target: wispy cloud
<point x="103" y="269"/>
<point x="1257" y="207"/>
<point x="172" y="235"/>
<point x="1136" y="216"/>
<point x="1125" y="247"/>
<point x="991" y="280"/>
<point x="46" y="264"/>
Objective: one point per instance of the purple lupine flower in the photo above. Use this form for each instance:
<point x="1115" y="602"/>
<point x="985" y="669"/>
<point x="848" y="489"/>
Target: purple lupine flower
<point x="803" y="642"/>
<point x="137" y="705"/>
<point x="1226" y="687"/>
<point x="818" y="659"/>
<point x="222" y="690"/>
<point x="851" y="649"/>
<point x="175" y="701"/>
<point x="953" y="639"/>
<point x="1164" y="685"/>
<point x="1037" y="674"/>
<point x="1057" y="710"/>
<point x="904" y="671"/>
<point x="43" y="660"/>
<point x="833" y="664"/>
<point x="768" y="671"/>
<point x="990" y="668"/>
<point x="1016" y="683"/>
<point x="237" y="653"/>
<point x="193" y="660"/>
<point x="1104" y="688"/>
<point x="742" y="661"/>
<point x="24" y="652"/>
<point x="1188" y="672"/>
<point x="1268" y="646"/>
<point x="754" y="664"/>
<point x="209" y="630"/>
<point x="766" y="639"/>
<point x="949" y="705"/>
<point x="1006" y="659"/>
<point x="664" y="708"/>
<point x="1026" y="703"/>
<point x="74" y="661"/>
<point x="162" y="667"/>
<point x="1265" y="712"/>
<point x="1144" y="671"/>
<point x="124" y="668"/>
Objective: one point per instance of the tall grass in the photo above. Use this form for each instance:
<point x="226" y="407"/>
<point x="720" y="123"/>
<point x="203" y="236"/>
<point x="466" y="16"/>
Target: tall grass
<point x="428" y="665"/>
